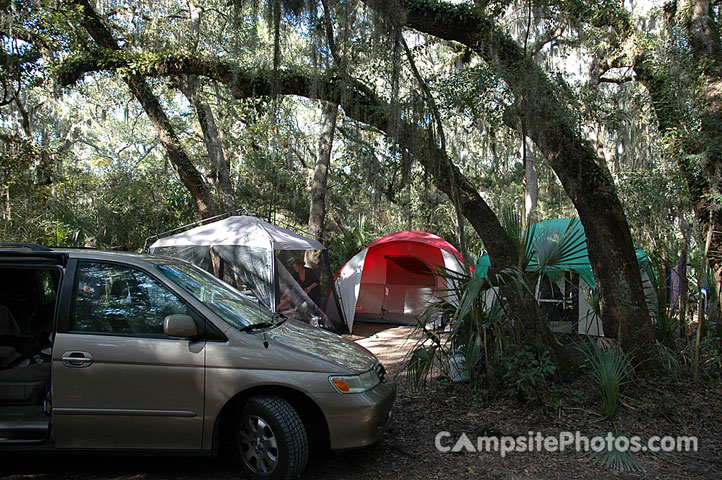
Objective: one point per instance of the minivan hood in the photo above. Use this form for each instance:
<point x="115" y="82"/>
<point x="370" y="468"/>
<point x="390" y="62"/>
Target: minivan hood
<point x="322" y="344"/>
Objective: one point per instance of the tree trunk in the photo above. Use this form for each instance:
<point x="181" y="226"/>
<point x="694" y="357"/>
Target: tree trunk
<point x="361" y="104"/>
<point x="553" y="128"/>
<point x="189" y="175"/>
<point x="611" y="252"/>
<point x="317" y="214"/>
<point x="219" y="174"/>
<point x="531" y="182"/>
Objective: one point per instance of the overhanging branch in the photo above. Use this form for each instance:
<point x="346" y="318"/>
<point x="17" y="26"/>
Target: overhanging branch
<point x="358" y="101"/>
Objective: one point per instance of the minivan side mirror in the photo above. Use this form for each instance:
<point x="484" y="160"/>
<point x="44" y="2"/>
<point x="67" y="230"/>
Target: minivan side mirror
<point x="179" y="326"/>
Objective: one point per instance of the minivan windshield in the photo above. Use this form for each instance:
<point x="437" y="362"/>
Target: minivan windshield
<point x="224" y="300"/>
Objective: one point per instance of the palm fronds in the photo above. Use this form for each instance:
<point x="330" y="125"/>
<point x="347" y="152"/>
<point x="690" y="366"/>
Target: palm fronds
<point x="611" y="369"/>
<point x="615" y="457"/>
<point x="550" y="248"/>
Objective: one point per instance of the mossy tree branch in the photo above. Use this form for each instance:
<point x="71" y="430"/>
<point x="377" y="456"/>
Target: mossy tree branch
<point x="189" y="175"/>
<point x="551" y="123"/>
<point x="357" y="100"/>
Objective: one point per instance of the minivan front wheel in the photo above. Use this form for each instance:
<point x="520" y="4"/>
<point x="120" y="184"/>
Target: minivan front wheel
<point x="270" y="440"/>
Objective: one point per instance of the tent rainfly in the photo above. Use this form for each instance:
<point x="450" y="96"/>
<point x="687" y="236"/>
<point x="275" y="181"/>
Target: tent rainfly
<point x="392" y="279"/>
<point x="565" y="291"/>
<point x="258" y="256"/>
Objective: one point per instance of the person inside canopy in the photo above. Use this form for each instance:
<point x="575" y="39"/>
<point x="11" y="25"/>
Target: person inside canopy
<point x="307" y="279"/>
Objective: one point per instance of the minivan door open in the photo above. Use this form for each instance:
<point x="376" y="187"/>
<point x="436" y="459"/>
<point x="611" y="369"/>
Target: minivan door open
<point x="118" y="380"/>
<point x="28" y="293"/>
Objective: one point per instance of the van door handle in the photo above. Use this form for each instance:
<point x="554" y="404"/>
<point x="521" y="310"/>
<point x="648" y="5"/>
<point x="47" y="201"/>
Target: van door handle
<point x="76" y="359"/>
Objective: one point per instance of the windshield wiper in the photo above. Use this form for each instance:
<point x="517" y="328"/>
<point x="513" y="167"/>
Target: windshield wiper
<point x="256" y="326"/>
<point x="278" y="318"/>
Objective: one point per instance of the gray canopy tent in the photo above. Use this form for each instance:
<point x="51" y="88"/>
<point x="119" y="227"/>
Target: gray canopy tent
<point x="256" y="255"/>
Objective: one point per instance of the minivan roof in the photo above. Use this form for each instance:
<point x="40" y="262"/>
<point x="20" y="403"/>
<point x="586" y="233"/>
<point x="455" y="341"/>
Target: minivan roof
<point x="109" y="255"/>
<point x="29" y="251"/>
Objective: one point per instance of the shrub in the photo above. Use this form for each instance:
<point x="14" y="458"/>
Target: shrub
<point x="526" y="373"/>
<point x="611" y="370"/>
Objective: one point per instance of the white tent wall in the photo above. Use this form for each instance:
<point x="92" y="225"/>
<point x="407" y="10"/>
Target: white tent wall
<point x="249" y="247"/>
<point x="451" y="264"/>
<point x="650" y="295"/>
<point x="590" y="323"/>
<point x="348" y="285"/>
<point x="290" y="287"/>
<point x="254" y="267"/>
<point x="199" y="256"/>
<point x="388" y="294"/>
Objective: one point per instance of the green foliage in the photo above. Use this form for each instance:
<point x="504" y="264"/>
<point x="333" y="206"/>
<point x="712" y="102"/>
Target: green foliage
<point x="710" y="358"/>
<point x="527" y="374"/>
<point x="513" y="223"/>
<point x="478" y="329"/>
<point x="419" y="364"/>
<point x="611" y="369"/>
<point x="475" y="91"/>
<point x="666" y="327"/>
<point x="616" y="458"/>
<point x="552" y="249"/>
<point x="473" y="352"/>
<point x="669" y="359"/>
<point x="484" y="337"/>
<point x="354" y="238"/>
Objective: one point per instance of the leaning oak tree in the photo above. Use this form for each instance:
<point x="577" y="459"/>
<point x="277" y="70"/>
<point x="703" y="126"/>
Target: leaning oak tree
<point x="187" y="172"/>
<point x="547" y="118"/>
<point x="550" y="123"/>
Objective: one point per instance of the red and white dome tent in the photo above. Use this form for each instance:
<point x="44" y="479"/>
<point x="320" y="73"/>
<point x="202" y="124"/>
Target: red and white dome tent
<point x="392" y="279"/>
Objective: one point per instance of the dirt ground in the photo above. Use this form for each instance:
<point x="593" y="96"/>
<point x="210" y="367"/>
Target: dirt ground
<point x="656" y="407"/>
<point x="407" y="450"/>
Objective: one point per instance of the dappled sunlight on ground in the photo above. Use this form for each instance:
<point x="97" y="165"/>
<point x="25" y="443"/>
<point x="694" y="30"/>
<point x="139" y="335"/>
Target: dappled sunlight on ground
<point x="388" y="342"/>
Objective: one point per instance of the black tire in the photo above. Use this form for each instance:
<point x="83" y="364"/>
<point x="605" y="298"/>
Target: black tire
<point x="269" y="441"/>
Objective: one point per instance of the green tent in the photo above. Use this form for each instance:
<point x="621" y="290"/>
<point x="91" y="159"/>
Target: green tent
<point x="560" y="245"/>
<point x="568" y="234"/>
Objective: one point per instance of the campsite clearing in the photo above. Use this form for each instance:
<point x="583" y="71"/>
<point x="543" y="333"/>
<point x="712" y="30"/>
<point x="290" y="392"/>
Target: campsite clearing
<point x="407" y="451"/>
<point x="656" y="407"/>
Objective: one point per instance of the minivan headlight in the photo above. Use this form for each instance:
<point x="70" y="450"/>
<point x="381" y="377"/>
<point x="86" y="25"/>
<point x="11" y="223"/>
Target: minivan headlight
<point x="355" y="383"/>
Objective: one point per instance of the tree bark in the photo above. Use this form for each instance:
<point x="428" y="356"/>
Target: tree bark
<point x="360" y="104"/>
<point x="189" y="175"/>
<point x="552" y="126"/>
<point x="317" y="214"/>
<point x="531" y="182"/>
<point x="219" y="174"/>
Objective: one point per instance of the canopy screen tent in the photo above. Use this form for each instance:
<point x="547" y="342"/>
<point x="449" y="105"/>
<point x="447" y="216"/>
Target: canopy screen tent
<point x="393" y="278"/>
<point x="565" y="292"/>
<point x="256" y="255"/>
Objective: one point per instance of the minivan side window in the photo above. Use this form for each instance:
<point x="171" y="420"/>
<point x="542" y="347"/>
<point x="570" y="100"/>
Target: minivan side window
<point x="117" y="299"/>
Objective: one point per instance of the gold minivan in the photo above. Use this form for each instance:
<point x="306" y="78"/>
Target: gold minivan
<point x="117" y="351"/>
